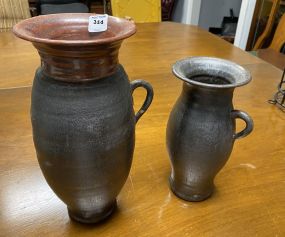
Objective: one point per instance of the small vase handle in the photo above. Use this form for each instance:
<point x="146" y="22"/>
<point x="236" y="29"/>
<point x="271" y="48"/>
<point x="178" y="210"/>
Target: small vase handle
<point x="149" y="96"/>
<point x="248" y="121"/>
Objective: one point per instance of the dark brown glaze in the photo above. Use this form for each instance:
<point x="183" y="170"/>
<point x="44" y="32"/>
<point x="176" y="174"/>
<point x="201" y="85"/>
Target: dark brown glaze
<point x="68" y="51"/>
<point x="81" y="63"/>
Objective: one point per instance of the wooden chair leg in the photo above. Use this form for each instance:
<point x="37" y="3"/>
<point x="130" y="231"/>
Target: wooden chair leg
<point x="260" y="41"/>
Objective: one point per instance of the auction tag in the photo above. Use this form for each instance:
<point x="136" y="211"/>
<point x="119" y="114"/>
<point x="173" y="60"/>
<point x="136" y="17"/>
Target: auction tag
<point x="98" y="23"/>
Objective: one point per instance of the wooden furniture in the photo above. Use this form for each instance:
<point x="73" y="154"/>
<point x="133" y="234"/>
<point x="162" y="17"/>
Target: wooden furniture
<point x="250" y="190"/>
<point x="273" y="57"/>
<point x="279" y="36"/>
<point x="139" y="11"/>
<point x="261" y="39"/>
<point x="272" y="53"/>
<point x="13" y="11"/>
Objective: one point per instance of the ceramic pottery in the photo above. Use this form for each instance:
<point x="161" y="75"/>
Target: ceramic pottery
<point x="201" y="127"/>
<point x="82" y="111"/>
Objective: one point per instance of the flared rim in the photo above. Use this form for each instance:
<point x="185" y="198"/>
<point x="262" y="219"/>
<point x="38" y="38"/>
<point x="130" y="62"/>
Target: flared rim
<point x="44" y="28"/>
<point x="192" y="67"/>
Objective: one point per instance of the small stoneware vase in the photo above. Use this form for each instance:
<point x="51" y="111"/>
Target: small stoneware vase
<point x="82" y="110"/>
<point x="201" y="127"/>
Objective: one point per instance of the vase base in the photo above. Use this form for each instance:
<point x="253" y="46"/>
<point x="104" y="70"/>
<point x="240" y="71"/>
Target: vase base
<point x="186" y="193"/>
<point x="92" y="217"/>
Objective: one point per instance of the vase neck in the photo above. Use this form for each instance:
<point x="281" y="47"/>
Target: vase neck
<point x="221" y="97"/>
<point x="78" y="63"/>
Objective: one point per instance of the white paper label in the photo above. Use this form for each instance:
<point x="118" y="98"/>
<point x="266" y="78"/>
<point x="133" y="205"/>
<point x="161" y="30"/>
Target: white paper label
<point x="98" y="23"/>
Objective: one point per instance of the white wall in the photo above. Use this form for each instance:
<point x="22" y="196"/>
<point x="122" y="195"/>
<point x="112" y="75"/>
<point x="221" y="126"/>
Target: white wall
<point x="244" y="23"/>
<point x="213" y="11"/>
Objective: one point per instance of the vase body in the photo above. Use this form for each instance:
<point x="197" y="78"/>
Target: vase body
<point x="201" y="127"/>
<point x="82" y="116"/>
<point x="84" y="137"/>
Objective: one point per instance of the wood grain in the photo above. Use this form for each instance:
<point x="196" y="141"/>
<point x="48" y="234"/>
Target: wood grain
<point x="250" y="190"/>
<point x="13" y="11"/>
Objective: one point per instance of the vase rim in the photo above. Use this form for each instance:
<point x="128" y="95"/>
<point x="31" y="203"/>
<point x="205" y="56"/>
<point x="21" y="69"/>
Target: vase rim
<point x="71" y="29"/>
<point x="198" y="66"/>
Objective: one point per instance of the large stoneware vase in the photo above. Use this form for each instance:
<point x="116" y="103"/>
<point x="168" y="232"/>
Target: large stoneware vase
<point x="82" y="110"/>
<point x="201" y="130"/>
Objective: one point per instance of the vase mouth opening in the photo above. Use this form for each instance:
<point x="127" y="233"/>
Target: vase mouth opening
<point x="72" y="29"/>
<point x="211" y="72"/>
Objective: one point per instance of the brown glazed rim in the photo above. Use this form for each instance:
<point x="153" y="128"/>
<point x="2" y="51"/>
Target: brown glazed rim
<point x="25" y="29"/>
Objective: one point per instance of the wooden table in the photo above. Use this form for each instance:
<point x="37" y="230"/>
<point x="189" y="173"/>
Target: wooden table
<point x="272" y="57"/>
<point x="250" y="190"/>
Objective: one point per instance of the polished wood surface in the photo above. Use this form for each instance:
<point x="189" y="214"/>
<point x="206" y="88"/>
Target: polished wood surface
<point x="273" y="57"/>
<point x="250" y="189"/>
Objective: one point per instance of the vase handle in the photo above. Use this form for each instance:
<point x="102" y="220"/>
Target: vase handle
<point x="248" y="121"/>
<point x="149" y="96"/>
